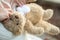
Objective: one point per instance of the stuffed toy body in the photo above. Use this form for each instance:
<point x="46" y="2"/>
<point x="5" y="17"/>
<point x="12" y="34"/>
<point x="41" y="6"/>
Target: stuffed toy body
<point x="37" y="17"/>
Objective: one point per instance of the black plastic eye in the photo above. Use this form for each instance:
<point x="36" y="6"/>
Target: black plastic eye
<point x="17" y="23"/>
<point x="16" y="17"/>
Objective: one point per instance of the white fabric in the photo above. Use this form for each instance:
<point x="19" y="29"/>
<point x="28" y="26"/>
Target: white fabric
<point x="24" y="9"/>
<point x="32" y="37"/>
<point x="27" y="37"/>
<point x="4" y="34"/>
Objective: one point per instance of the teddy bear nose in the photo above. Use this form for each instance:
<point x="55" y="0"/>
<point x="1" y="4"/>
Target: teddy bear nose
<point x="16" y="17"/>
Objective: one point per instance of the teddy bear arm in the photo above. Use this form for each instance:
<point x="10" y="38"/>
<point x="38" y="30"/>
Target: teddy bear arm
<point x="49" y="28"/>
<point x="54" y="30"/>
<point x="33" y="29"/>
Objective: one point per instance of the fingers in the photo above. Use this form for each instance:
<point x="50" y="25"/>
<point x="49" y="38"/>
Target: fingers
<point x="3" y="16"/>
<point x="4" y="13"/>
<point x="6" y="5"/>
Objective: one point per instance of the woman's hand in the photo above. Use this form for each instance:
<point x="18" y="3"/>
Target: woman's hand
<point x="3" y="14"/>
<point x="5" y="11"/>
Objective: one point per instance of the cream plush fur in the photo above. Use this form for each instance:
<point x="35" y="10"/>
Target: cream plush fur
<point x="35" y="20"/>
<point x="29" y="26"/>
<point x="38" y="15"/>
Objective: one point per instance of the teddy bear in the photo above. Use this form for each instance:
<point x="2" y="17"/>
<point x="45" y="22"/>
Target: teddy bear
<point x="18" y="23"/>
<point x="29" y="26"/>
<point x="44" y="15"/>
<point x="10" y="24"/>
<point x="38" y="17"/>
<point x="34" y="17"/>
<point x="12" y="28"/>
<point x="33" y="23"/>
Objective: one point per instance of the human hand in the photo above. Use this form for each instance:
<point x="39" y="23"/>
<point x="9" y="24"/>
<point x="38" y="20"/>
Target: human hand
<point x="3" y="14"/>
<point x="5" y="11"/>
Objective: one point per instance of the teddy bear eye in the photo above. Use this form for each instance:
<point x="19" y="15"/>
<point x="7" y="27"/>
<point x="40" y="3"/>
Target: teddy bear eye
<point x="16" y="17"/>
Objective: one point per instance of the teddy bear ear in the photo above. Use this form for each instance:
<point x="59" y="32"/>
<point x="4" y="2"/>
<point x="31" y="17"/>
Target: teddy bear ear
<point x="48" y="14"/>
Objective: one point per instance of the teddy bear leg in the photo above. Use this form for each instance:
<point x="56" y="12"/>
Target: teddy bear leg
<point x="33" y="29"/>
<point x="48" y="14"/>
<point x="49" y="28"/>
<point x="54" y="30"/>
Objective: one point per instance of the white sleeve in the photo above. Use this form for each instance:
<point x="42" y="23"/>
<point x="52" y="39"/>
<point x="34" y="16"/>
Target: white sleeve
<point x="24" y="9"/>
<point x="4" y="33"/>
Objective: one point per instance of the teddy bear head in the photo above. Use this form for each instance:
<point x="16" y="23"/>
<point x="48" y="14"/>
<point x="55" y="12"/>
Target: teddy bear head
<point x="15" y="23"/>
